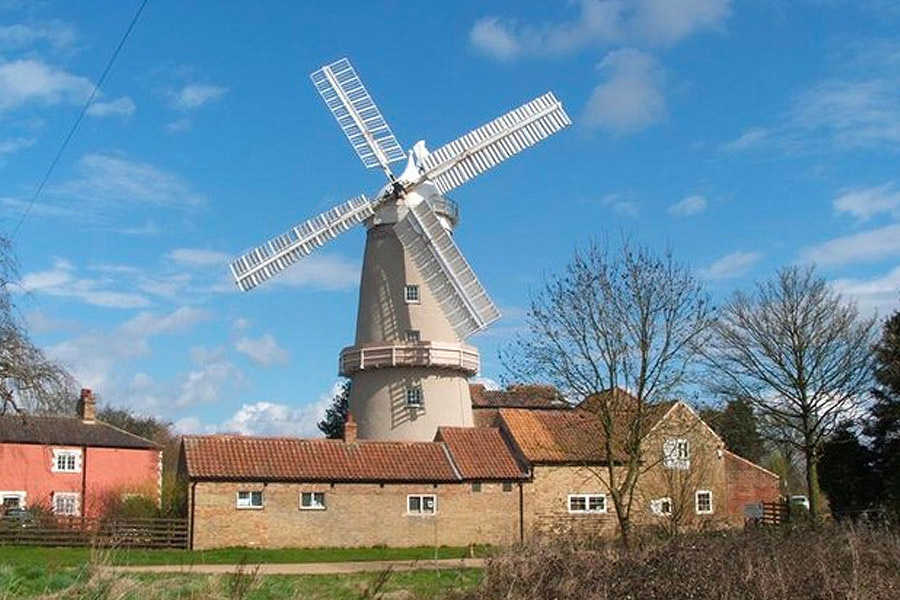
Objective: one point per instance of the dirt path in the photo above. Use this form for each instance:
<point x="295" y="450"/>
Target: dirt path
<point x="322" y="568"/>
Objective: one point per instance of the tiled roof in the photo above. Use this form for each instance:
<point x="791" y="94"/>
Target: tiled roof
<point x="570" y="436"/>
<point x="517" y="396"/>
<point x="291" y="459"/>
<point x="480" y="453"/>
<point x="66" y="431"/>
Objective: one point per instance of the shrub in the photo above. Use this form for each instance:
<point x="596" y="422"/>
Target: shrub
<point x="788" y="564"/>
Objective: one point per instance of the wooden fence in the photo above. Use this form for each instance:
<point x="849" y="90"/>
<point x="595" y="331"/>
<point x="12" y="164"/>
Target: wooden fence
<point x="768" y="513"/>
<point x="50" y="530"/>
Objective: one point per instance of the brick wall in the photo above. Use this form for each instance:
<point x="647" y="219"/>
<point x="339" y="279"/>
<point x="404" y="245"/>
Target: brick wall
<point x="747" y="484"/>
<point x="356" y="515"/>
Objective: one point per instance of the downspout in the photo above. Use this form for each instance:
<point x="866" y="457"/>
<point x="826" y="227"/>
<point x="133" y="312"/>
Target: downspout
<point x="84" y="463"/>
<point x="191" y="533"/>
<point x="521" y="515"/>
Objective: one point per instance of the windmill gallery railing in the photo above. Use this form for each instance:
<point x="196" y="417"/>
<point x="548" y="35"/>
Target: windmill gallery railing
<point x="417" y="354"/>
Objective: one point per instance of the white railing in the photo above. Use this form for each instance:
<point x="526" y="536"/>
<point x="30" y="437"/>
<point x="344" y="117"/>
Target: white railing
<point x="413" y="354"/>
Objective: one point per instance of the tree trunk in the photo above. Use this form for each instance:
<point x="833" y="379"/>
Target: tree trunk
<point x="812" y="486"/>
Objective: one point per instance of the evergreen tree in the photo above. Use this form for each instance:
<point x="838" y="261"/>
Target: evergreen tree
<point x="846" y="472"/>
<point x="884" y="424"/>
<point x="737" y="426"/>
<point x="336" y="414"/>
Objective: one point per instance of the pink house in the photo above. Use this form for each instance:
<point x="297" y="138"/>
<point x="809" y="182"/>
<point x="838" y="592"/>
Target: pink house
<point x="73" y="465"/>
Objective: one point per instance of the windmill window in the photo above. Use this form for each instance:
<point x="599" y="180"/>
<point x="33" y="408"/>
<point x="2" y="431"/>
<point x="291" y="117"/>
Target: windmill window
<point x="249" y="499"/>
<point x="67" y="504"/>
<point x="411" y="293"/>
<point x="704" y="505"/>
<point x="414" y="397"/>
<point x="421" y="505"/>
<point x="413" y="336"/>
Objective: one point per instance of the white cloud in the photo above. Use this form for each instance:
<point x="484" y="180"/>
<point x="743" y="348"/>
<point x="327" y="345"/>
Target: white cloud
<point x="878" y="295"/>
<point x="148" y="324"/>
<point x="179" y="125"/>
<point x="122" y="107"/>
<point x="731" y="265"/>
<point x="213" y="377"/>
<point x="108" y="179"/>
<point x="691" y="205"/>
<point x="599" y="23"/>
<point x="57" y="34"/>
<point x="631" y="97"/>
<point x="320" y="271"/>
<point x="865" y="203"/>
<point x="263" y="351"/>
<point x="748" y="139"/>
<point x="488" y="383"/>
<point x="198" y="257"/>
<point x="241" y="324"/>
<point x="62" y="280"/>
<point x="32" y="80"/>
<point x="195" y="95"/>
<point x="872" y="245"/>
<point x="13" y="145"/>
<point x="621" y="204"/>
<point x="268" y="418"/>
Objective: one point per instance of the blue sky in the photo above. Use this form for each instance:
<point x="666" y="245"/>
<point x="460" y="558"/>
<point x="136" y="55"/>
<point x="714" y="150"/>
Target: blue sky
<point x="744" y="134"/>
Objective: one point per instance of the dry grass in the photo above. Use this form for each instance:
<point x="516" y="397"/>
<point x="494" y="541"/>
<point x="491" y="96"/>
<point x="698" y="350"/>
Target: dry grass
<point x="828" y="563"/>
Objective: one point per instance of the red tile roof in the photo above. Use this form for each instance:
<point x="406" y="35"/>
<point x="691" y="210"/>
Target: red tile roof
<point x="480" y="453"/>
<point x="517" y="396"/>
<point x="229" y="457"/>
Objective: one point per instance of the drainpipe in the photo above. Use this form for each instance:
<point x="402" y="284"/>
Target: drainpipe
<point x="521" y="515"/>
<point x="191" y="533"/>
<point x="84" y="463"/>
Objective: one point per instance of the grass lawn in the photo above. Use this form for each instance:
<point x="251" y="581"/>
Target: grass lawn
<point x="78" y="583"/>
<point x="76" y="557"/>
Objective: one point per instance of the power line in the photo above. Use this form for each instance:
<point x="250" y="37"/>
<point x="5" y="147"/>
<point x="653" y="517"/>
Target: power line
<point x="84" y="109"/>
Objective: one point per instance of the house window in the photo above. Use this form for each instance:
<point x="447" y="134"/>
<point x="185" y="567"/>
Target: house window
<point x="507" y="486"/>
<point x="704" y="505"/>
<point x="411" y="294"/>
<point x="414" y="396"/>
<point x="476" y="486"/>
<point x="66" y="461"/>
<point x="677" y="454"/>
<point x="587" y="503"/>
<point x="66" y="503"/>
<point x="413" y="336"/>
<point x="312" y="500"/>
<point x="661" y="506"/>
<point x="10" y="500"/>
<point x="422" y="505"/>
<point x="249" y="499"/>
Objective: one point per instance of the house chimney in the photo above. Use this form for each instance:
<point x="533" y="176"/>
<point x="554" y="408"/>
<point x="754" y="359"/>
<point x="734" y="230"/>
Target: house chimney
<point x="87" y="407"/>
<point x="349" y="430"/>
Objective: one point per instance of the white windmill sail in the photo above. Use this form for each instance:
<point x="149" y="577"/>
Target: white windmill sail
<point x="263" y="262"/>
<point x="357" y="114"/>
<point x="449" y="277"/>
<point x="474" y="153"/>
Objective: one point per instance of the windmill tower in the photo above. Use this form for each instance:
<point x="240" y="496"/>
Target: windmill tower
<point x="419" y="299"/>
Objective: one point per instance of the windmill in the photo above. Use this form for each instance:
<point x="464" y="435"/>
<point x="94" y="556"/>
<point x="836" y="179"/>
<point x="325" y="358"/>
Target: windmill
<point x="419" y="299"/>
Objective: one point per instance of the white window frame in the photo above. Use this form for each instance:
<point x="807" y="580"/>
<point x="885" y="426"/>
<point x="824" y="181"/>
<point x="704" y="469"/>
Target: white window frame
<point x="312" y="504"/>
<point x="67" y="453"/>
<point x="677" y="454"/>
<point x="21" y="495"/>
<point x="412" y="293"/>
<point x="697" y="502"/>
<point x="412" y="336"/>
<point x="421" y="512"/>
<point x="418" y="398"/>
<point x="656" y="506"/>
<point x="75" y="496"/>
<point x="587" y="504"/>
<point x="248" y="503"/>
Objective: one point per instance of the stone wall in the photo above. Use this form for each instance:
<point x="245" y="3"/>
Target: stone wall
<point x="356" y="515"/>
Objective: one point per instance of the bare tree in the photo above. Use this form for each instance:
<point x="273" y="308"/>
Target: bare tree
<point x="801" y="354"/>
<point x="29" y="381"/>
<point x="615" y="321"/>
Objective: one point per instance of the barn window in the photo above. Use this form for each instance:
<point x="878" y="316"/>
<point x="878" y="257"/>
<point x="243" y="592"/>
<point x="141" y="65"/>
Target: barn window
<point x="507" y="486"/>
<point x="250" y="499"/>
<point x="704" y="505"/>
<point x="421" y="504"/>
<point x="312" y="500"/>
<point x="476" y="486"/>
<point x="587" y="503"/>
<point x="411" y="294"/>
<point x="661" y="506"/>
<point x="66" y="461"/>
<point x="67" y="503"/>
<point x="677" y="454"/>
